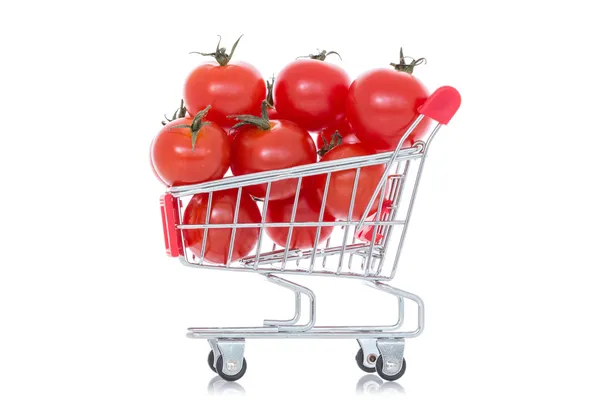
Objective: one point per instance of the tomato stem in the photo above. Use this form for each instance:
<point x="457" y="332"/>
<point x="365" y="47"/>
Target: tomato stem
<point x="321" y="55"/>
<point x="402" y="66"/>
<point x="195" y="126"/>
<point x="221" y="53"/>
<point x="335" y="141"/>
<point x="270" y="84"/>
<point x="179" y="113"/>
<point x="261" y="122"/>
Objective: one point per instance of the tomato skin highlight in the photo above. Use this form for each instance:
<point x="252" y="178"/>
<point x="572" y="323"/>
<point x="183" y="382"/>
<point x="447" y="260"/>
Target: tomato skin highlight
<point x="344" y="130"/>
<point x="235" y="88"/>
<point x="222" y="212"/>
<point x="177" y="164"/>
<point x="307" y="210"/>
<point x="284" y="145"/>
<point x="341" y="183"/>
<point x="311" y="93"/>
<point x="382" y="104"/>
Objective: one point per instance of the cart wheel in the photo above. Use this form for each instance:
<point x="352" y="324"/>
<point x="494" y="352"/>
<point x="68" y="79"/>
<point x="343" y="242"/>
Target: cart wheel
<point x="379" y="367"/>
<point x="360" y="359"/>
<point x="230" y="377"/>
<point x="211" y="361"/>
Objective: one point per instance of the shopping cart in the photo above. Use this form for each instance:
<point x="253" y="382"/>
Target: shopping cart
<point x="367" y="248"/>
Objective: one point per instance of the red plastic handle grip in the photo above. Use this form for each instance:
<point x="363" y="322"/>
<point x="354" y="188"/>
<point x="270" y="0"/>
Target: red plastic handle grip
<point x="441" y="105"/>
<point x="169" y="207"/>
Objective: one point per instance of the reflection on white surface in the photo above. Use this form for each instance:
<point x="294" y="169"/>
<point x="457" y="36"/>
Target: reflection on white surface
<point x="371" y="384"/>
<point x="220" y="387"/>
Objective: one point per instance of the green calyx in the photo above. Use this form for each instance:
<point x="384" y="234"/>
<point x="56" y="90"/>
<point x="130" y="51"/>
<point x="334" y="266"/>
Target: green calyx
<point x="270" y="84"/>
<point x="321" y="55"/>
<point x="221" y="53"/>
<point x="195" y="126"/>
<point x="179" y="113"/>
<point x="335" y="141"/>
<point x="403" y="66"/>
<point x="261" y="122"/>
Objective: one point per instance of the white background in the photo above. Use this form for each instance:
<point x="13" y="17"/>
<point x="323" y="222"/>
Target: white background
<point x="504" y="242"/>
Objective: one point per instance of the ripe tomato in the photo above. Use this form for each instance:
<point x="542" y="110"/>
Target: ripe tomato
<point x="264" y="145"/>
<point x="343" y="128"/>
<point x="221" y="212"/>
<point x="341" y="183"/>
<point x="188" y="151"/>
<point x="307" y="210"/>
<point x="383" y="103"/>
<point x="312" y="93"/>
<point x="229" y="87"/>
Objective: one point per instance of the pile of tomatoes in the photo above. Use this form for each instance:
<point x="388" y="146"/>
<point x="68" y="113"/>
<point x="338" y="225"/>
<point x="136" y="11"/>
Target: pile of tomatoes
<point x="231" y="119"/>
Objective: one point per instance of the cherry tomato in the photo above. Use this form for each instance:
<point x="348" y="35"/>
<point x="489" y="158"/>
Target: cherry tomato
<point x="188" y="151"/>
<point x="343" y="128"/>
<point x="307" y="210"/>
<point x="312" y="93"/>
<point x="341" y="183"/>
<point x="222" y="211"/>
<point x="272" y="145"/>
<point x="383" y="103"/>
<point x="229" y="87"/>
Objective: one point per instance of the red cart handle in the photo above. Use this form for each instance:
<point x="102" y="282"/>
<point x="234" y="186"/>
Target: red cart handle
<point x="169" y="207"/>
<point x="441" y="105"/>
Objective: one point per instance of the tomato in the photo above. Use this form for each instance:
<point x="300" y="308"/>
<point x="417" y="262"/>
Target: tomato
<point x="383" y="103"/>
<point x="229" y="87"/>
<point x="343" y="128"/>
<point x="221" y="212"/>
<point x="341" y="183"/>
<point x="312" y="93"/>
<point x="188" y="151"/>
<point x="307" y="210"/>
<point x="265" y="145"/>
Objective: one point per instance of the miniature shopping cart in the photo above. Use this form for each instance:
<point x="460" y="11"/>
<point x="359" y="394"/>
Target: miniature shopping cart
<point x="367" y="248"/>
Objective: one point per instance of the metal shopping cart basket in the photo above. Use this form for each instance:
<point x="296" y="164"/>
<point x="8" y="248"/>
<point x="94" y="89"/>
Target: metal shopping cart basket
<point x="367" y="248"/>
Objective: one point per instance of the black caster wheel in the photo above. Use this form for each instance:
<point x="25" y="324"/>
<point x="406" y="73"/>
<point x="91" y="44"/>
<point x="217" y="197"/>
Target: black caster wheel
<point x="359" y="360"/>
<point x="211" y="361"/>
<point x="230" y="378"/>
<point x="379" y="367"/>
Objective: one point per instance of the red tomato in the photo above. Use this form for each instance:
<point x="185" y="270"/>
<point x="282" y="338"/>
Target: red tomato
<point x="383" y="103"/>
<point x="307" y="210"/>
<point x="179" y="160"/>
<point x="229" y="87"/>
<point x="221" y="212"/>
<point x="341" y="183"/>
<point x="343" y="129"/>
<point x="312" y="93"/>
<point x="272" y="145"/>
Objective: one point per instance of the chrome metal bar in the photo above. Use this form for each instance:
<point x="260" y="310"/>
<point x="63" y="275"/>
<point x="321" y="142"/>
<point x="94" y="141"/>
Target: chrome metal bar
<point x="287" y="224"/>
<point x="319" y="168"/>
<point x="321" y="214"/>
<point x="388" y="167"/>
<point x="208" y="211"/>
<point x="292" y="220"/>
<point x="347" y="226"/>
<point x="235" y="218"/>
<point x="262" y="227"/>
<point x="298" y="289"/>
<point x="375" y="230"/>
<point x="294" y="319"/>
<point x="412" y="199"/>
<point x="356" y="332"/>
